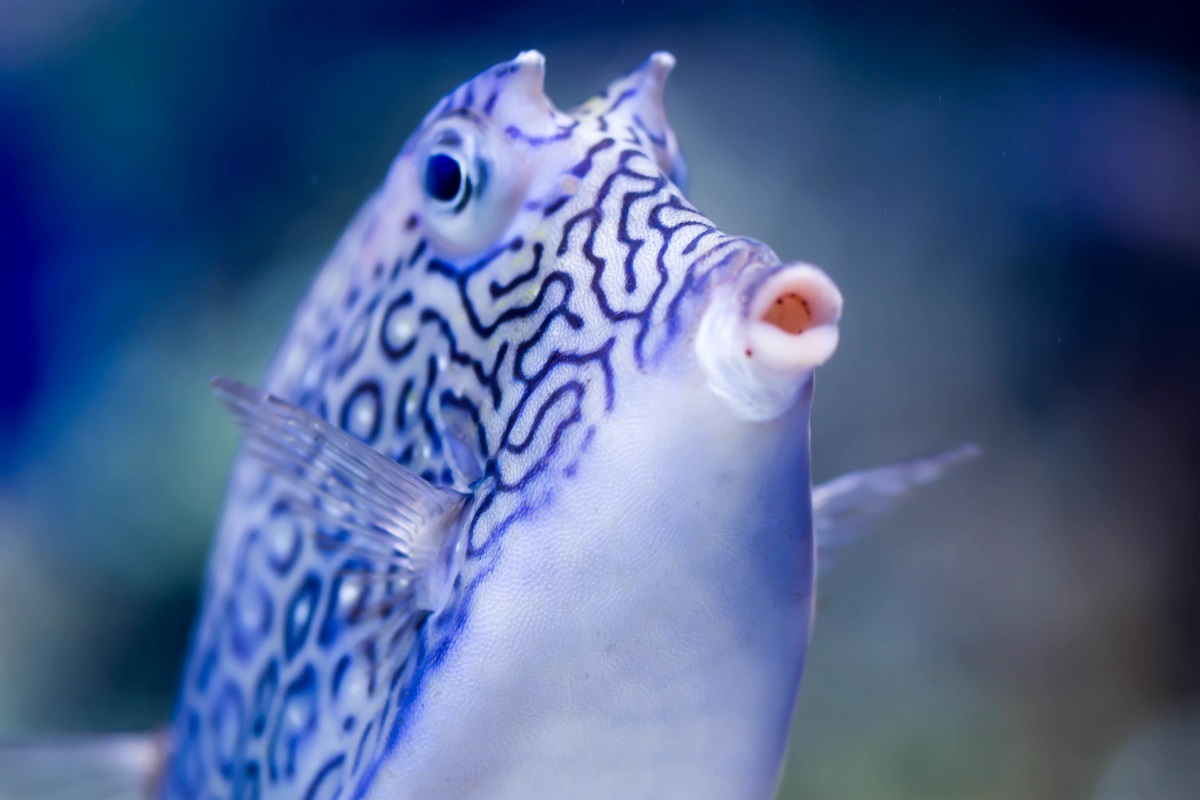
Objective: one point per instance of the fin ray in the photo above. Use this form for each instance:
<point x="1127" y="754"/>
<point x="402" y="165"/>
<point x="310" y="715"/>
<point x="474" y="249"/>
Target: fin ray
<point x="384" y="509"/>
<point x="842" y="506"/>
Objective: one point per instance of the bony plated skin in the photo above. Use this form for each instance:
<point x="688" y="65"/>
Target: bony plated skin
<point x="524" y="504"/>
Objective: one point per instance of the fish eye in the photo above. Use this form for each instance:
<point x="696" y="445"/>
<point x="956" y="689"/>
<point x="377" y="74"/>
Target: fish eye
<point x="445" y="179"/>
<point x="471" y="183"/>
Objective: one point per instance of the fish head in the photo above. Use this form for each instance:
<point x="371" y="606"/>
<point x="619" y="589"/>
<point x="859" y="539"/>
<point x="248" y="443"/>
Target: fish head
<point x="567" y="236"/>
<point x="496" y="158"/>
<point x="496" y="165"/>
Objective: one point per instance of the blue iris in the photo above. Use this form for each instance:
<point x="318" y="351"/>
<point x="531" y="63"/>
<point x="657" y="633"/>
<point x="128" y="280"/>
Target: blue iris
<point x="443" y="177"/>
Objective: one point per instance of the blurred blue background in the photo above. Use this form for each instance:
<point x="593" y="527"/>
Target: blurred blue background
<point x="1007" y="193"/>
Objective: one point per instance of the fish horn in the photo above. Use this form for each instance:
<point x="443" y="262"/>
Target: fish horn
<point x="646" y="86"/>
<point x="524" y="89"/>
<point x="653" y="77"/>
<point x="636" y="99"/>
<point x="530" y="72"/>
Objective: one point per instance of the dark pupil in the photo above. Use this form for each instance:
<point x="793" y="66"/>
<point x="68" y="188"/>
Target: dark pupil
<point x="443" y="177"/>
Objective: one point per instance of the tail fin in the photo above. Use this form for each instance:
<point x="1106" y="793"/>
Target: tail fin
<point x="842" y="506"/>
<point x="110" y="767"/>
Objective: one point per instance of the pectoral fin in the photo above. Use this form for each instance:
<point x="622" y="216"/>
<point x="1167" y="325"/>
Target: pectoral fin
<point x="380" y="508"/>
<point x="843" y="506"/>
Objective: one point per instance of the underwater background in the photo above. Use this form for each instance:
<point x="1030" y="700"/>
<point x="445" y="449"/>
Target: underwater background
<point x="1008" y="195"/>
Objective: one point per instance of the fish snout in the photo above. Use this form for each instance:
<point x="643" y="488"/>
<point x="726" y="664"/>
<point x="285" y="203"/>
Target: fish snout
<point x="793" y="319"/>
<point x="760" y="338"/>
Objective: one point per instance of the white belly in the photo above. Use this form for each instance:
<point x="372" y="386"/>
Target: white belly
<point x="643" y="636"/>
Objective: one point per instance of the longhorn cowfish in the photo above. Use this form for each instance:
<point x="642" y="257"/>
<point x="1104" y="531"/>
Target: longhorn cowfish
<point x="523" y="507"/>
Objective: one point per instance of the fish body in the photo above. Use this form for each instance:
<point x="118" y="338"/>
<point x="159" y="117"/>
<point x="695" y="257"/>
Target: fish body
<point x="524" y="502"/>
<point x="633" y="579"/>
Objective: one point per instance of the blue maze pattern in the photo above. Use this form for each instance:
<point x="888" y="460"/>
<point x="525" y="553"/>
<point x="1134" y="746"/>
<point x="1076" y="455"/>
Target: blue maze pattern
<point x="491" y="375"/>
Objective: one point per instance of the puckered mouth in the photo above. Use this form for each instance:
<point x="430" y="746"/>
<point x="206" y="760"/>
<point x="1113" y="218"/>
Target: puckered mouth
<point x="765" y="332"/>
<point x="793" y="319"/>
